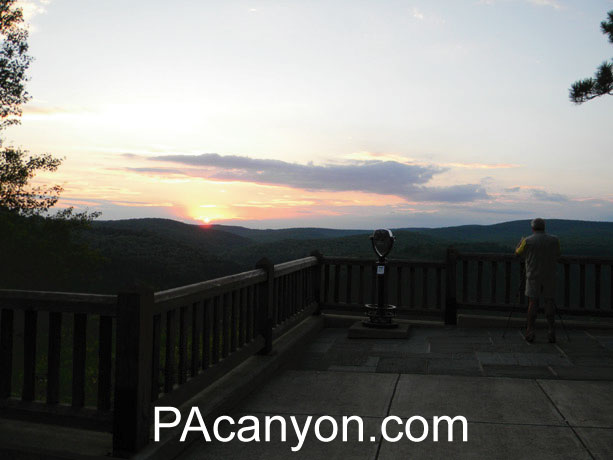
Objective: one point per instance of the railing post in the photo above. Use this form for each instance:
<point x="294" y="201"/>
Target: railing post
<point x="317" y="280"/>
<point x="266" y="304"/>
<point x="131" y="418"/>
<point x="451" y="306"/>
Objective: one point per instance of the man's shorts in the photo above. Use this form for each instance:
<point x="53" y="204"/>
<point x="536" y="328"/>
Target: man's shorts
<point x="538" y="288"/>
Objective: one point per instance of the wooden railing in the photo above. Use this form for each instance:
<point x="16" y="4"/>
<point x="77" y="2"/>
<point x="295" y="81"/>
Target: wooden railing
<point x="413" y="286"/>
<point x="494" y="282"/>
<point x="464" y="281"/>
<point x="151" y="348"/>
<point x="103" y="362"/>
<point x="22" y="314"/>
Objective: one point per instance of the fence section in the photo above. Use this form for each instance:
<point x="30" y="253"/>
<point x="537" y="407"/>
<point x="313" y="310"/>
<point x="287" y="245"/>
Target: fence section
<point x="495" y="282"/>
<point x="150" y="348"/>
<point x="413" y="286"/>
<point x="37" y="330"/>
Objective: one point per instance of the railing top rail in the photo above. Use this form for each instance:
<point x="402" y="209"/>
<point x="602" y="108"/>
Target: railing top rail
<point x="390" y="262"/>
<point x="294" y="265"/>
<point x="171" y="298"/>
<point x="499" y="256"/>
<point x="586" y="260"/>
<point x="65" y="302"/>
<point x="566" y="259"/>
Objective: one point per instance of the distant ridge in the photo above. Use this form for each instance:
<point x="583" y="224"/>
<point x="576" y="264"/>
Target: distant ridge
<point x="298" y="233"/>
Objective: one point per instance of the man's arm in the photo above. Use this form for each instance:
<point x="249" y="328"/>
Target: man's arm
<point x="519" y="250"/>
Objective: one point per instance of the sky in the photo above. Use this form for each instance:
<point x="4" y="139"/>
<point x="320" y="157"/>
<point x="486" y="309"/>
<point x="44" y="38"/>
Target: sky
<point x="341" y="114"/>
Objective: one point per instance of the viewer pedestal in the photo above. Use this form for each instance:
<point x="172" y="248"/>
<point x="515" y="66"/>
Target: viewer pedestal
<point x="359" y="331"/>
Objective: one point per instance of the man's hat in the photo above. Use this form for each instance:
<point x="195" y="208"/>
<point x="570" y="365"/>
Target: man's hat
<point x="538" y="224"/>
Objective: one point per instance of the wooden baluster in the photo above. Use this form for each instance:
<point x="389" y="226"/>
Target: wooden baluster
<point x="226" y="330"/>
<point x="294" y="293"/>
<point x="522" y="276"/>
<point x="182" y="345"/>
<point x="303" y="295"/>
<point x="251" y="306"/>
<point x="29" y="355"/>
<point x="567" y="285"/>
<point x="337" y="281"/>
<point x="507" y="282"/>
<point x="207" y="336"/>
<point x="465" y="281"/>
<point x="169" y="362"/>
<point x="373" y="284"/>
<point x="349" y="280"/>
<point x="412" y="286"/>
<point x="399" y="285"/>
<point x="361" y="286"/>
<point x="197" y="307"/>
<point x="6" y="352"/>
<point x="597" y="286"/>
<point x="493" y="280"/>
<point x="326" y="292"/>
<point x="287" y="293"/>
<point x="79" y="348"/>
<point x="450" y="313"/>
<point x="156" y="335"/>
<point x="105" y="363"/>
<point x="424" y="287"/>
<point x="479" y="280"/>
<point x="53" y="357"/>
<point x="276" y="301"/>
<point x="582" y="286"/>
<point x="243" y="318"/>
<point x="611" y="287"/>
<point x="235" y="321"/>
<point x="438" y="287"/>
<point x="217" y="329"/>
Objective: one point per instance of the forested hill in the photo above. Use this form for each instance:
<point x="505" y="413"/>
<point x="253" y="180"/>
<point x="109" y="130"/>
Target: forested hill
<point x="164" y="253"/>
<point x="572" y="231"/>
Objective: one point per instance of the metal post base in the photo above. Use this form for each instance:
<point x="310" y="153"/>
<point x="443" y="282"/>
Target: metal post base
<point x="381" y="318"/>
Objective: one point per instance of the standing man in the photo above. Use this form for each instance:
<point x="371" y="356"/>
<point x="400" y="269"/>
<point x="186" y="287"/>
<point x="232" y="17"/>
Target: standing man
<point x="541" y="252"/>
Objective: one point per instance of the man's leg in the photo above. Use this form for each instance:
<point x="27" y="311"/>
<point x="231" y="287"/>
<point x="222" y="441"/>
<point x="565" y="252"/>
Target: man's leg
<point x="551" y="319"/>
<point x="532" y="311"/>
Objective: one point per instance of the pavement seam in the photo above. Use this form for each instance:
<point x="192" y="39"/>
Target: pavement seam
<point x="565" y="420"/>
<point x="389" y="408"/>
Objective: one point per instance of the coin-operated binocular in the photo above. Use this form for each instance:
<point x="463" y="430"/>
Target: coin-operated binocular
<point x="381" y="314"/>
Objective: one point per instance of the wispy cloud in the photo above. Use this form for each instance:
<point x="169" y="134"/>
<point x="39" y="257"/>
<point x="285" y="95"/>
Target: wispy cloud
<point x="543" y="195"/>
<point x="555" y="4"/>
<point x="550" y="3"/>
<point x="32" y="8"/>
<point x="369" y="156"/>
<point x="408" y="181"/>
<point x="418" y="14"/>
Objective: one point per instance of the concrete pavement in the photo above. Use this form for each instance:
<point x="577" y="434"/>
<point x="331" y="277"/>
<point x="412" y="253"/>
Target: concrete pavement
<point x="536" y="401"/>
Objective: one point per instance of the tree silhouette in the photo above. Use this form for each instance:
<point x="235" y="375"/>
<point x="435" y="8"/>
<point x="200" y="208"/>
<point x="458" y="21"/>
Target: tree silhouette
<point x="17" y="167"/>
<point x="602" y="82"/>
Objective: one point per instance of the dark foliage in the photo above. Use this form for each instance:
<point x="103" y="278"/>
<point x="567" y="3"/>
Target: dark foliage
<point x="602" y="82"/>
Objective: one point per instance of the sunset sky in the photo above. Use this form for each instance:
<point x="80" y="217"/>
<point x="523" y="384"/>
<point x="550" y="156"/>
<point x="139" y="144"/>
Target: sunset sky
<point x="344" y="114"/>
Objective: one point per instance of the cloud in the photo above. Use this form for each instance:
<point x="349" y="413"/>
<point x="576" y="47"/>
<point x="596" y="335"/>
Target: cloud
<point x="367" y="156"/>
<point x="542" y="195"/>
<point x="408" y="181"/>
<point x="555" y="4"/>
<point x="418" y="14"/>
<point x="550" y="3"/>
<point x="31" y="8"/>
